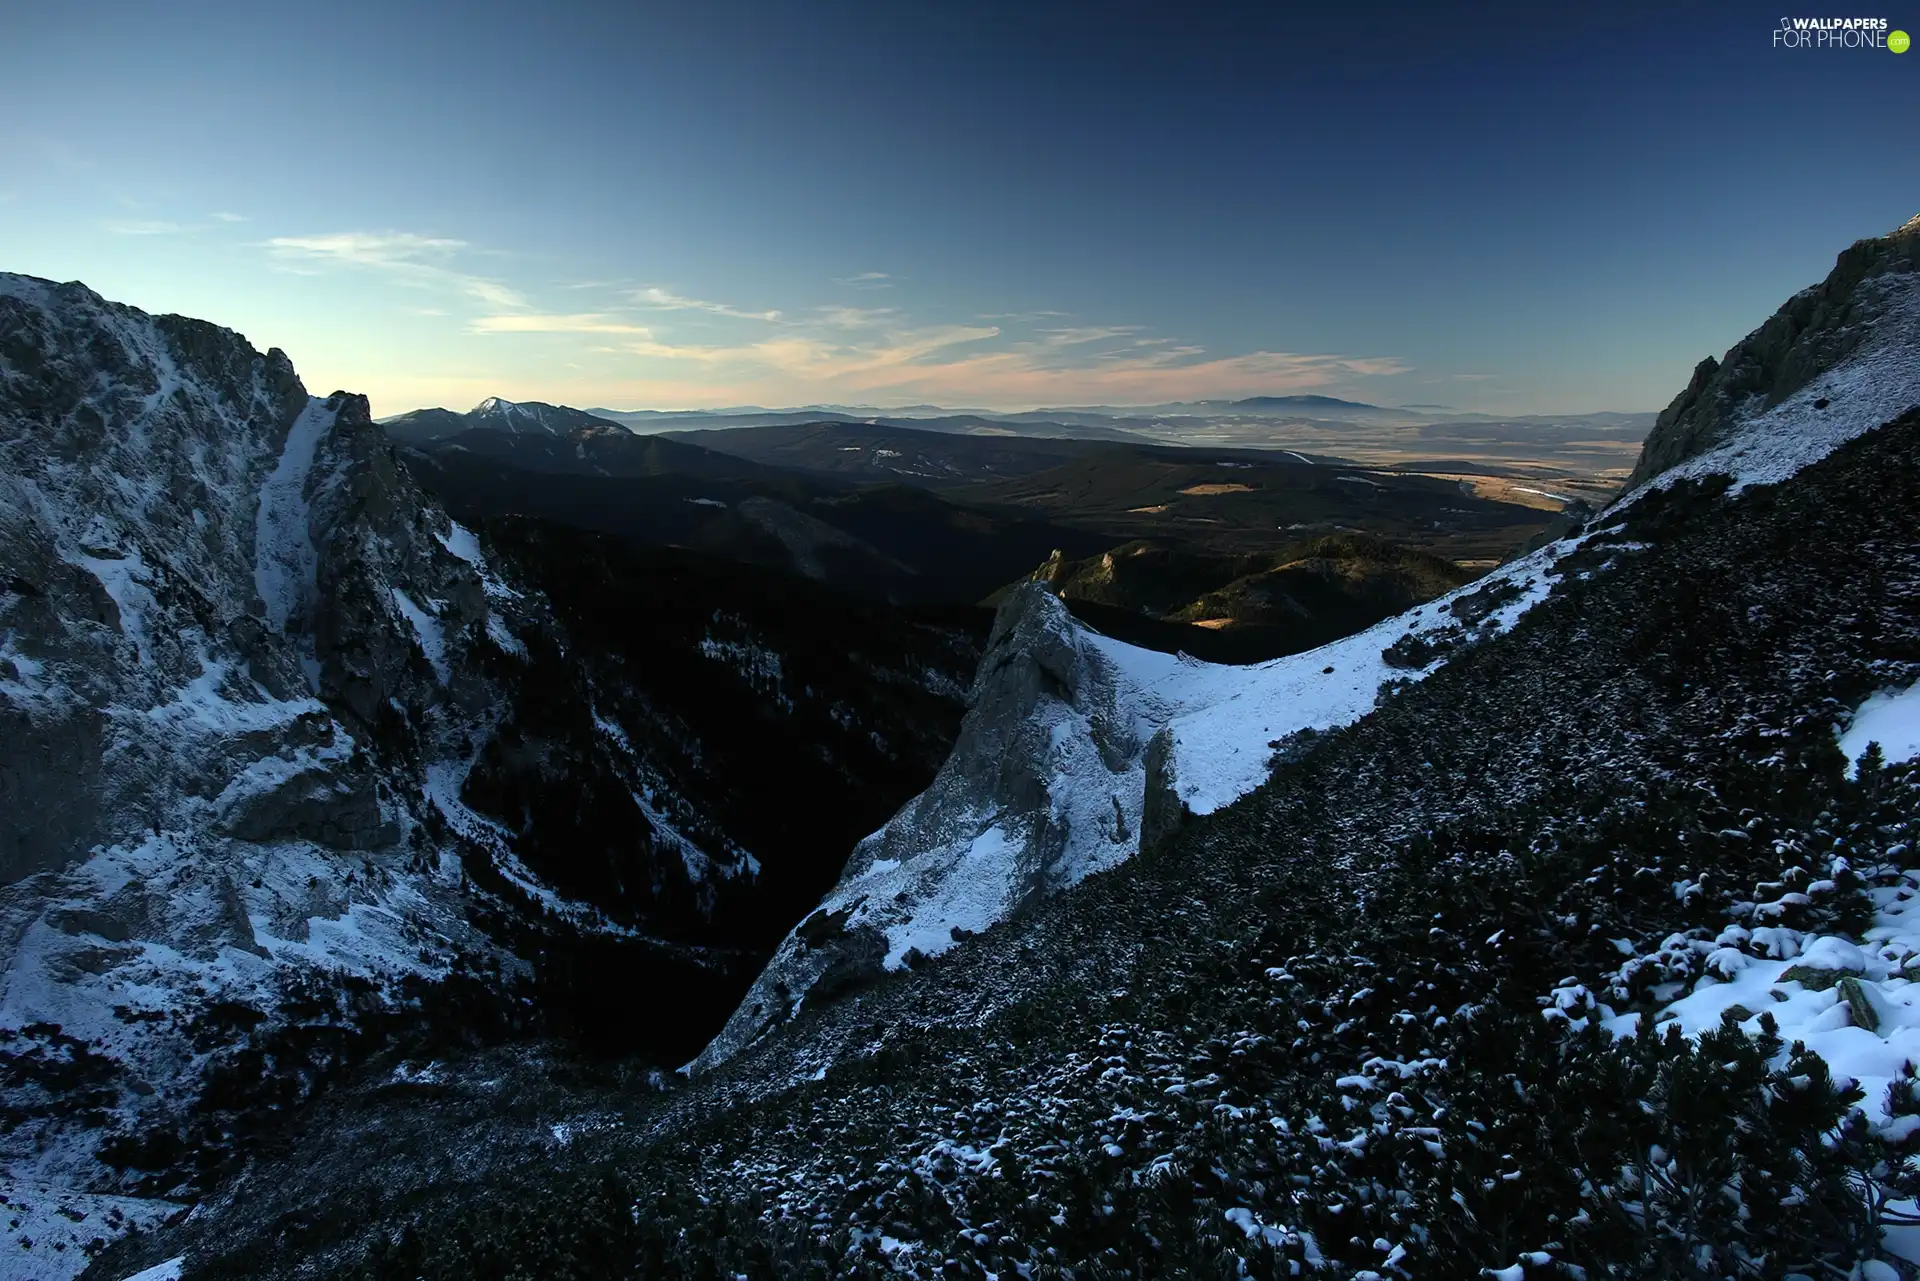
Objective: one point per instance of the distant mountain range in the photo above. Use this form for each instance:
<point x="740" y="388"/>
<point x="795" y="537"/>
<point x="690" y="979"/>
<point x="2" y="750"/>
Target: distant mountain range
<point x="529" y="417"/>
<point x="1326" y="424"/>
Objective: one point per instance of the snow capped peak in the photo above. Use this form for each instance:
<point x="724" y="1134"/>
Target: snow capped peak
<point x="525" y="415"/>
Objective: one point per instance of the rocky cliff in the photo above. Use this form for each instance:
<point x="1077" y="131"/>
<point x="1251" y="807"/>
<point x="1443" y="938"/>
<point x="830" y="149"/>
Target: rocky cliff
<point x="226" y="622"/>
<point x="1817" y="329"/>
<point x="1044" y="786"/>
<point x="293" y="765"/>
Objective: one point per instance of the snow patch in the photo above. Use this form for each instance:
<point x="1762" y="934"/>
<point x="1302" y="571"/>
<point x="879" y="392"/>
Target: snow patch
<point x="284" y="559"/>
<point x="969" y="895"/>
<point x="426" y="630"/>
<point x="464" y="544"/>
<point x="48" y="1233"/>
<point x="125" y="579"/>
<point x="1891" y="719"/>
<point x="1819" y="1014"/>
<point x="1223" y="718"/>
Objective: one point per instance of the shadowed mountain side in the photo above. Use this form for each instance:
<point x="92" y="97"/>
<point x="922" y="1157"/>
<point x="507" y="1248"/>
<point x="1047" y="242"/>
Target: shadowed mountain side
<point x="802" y="698"/>
<point x="888" y="542"/>
<point x="873" y="452"/>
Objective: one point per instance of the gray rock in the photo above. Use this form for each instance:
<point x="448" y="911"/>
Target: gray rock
<point x="1047" y="783"/>
<point x="1815" y="329"/>
<point x="172" y="792"/>
<point x="1162" y="811"/>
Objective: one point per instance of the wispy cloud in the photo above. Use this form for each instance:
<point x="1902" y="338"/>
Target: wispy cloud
<point x="1177" y="373"/>
<point x="855" y="317"/>
<point x="666" y="300"/>
<point x="867" y="280"/>
<point x="222" y="215"/>
<point x="372" y="249"/>
<point x="834" y="351"/>
<point x="825" y="359"/>
<point x="144" y="227"/>
<point x="591" y="322"/>
<point x="492" y="293"/>
<point x="1080" y="335"/>
<point x="838" y="352"/>
<point x="427" y="261"/>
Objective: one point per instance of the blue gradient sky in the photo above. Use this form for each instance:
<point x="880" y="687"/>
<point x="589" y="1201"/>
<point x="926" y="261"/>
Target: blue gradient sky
<point x="1549" y="208"/>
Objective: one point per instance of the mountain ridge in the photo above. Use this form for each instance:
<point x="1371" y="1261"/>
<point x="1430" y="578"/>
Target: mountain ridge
<point x="1815" y="329"/>
<point x="329" y="759"/>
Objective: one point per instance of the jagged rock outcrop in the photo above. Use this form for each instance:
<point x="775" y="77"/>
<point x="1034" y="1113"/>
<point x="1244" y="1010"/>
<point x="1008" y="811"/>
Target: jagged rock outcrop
<point x="1044" y="787"/>
<point x="1816" y="329"/>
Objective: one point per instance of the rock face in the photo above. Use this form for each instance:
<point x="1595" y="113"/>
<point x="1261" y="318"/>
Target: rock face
<point x="229" y="624"/>
<point x="1813" y="331"/>
<point x="1045" y="786"/>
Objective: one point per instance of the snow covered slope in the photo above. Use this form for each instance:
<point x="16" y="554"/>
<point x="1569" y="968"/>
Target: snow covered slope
<point x="198" y="675"/>
<point x="1077" y="744"/>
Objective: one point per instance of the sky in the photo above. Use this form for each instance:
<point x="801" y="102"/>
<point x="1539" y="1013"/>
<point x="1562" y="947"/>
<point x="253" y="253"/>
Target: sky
<point x="1521" y="209"/>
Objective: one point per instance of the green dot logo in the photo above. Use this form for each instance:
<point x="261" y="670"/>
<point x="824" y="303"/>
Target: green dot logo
<point x="1898" y="41"/>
